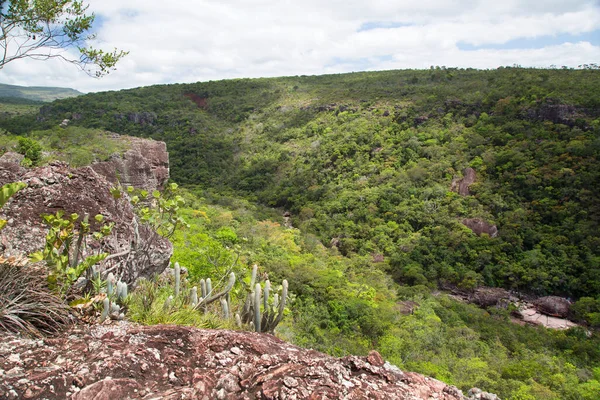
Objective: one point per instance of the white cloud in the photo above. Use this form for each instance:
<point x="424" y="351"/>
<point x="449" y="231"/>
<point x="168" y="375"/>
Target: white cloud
<point x="190" y="40"/>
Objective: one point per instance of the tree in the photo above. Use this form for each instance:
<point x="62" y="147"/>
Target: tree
<point x="44" y="29"/>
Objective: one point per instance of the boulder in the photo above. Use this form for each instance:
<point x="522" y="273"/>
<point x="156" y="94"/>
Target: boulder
<point x="136" y="250"/>
<point x="489" y="297"/>
<point x="144" y="166"/>
<point x="553" y="306"/>
<point x="480" y="226"/>
<point x="175" y="362"/>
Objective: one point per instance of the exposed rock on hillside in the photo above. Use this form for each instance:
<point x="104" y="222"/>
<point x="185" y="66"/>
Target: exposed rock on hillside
<point x="57" y="187"/>
<point x="488" y="297"/>
<point x="145" y="165"/>
<point x="479" y="226"/>
<point x="553" y="306"/>
<point x="461" y="185"/>
<point x="174" y="362"/>
<point x="557" y="113"/>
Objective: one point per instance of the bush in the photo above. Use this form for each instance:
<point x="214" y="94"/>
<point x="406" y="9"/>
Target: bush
<point x="26" y="305"/>
<point x="30" y="148"/>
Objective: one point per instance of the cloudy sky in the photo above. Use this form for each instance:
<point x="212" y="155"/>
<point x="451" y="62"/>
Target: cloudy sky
<point x="197" y="40"/>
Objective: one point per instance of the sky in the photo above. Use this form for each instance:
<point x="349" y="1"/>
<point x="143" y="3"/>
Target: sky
<point x="181" y="41"/>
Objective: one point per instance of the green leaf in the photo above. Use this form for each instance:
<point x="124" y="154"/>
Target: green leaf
<point x="36" y="257"/>
<point x="8" y="190"/>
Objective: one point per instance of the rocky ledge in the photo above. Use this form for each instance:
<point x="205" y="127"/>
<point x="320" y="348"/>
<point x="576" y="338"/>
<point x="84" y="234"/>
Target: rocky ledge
<point x="136" y="250"/>
<point x="174" y="362"/>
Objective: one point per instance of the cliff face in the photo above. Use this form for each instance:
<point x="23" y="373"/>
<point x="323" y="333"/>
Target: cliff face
<point x="58" y="187"/>
<point x="144" y="166"/>
<point x="175" y="362"/>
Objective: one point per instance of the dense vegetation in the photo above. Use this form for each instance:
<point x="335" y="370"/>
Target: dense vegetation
<point x="348" y="305"/>
<point x="367" y="159"/>
<point x="364" y="162"/>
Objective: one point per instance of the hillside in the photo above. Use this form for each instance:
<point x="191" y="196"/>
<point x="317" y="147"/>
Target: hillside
<point x="36" y="93"/>
<point x="368" y="192"/>
<point x="366" y="162"/>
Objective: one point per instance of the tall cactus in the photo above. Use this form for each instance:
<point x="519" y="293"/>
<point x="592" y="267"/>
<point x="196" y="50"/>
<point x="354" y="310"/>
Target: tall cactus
<point x="257" y="294"/>
<point x="208" y="287"/>
<point x="203" y="288"/>
<point x="110" y="282"/>
<point x="177" y="279"/>
<point x="225" y="307"/>
<point x="194" y="296"/>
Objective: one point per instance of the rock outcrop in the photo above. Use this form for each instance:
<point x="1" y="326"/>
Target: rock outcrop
<point x="461" y="185"/>
<point x="175" y="362"/>
<point x="144" y="166"/>
<point x="135" y="249"/>
<point x="489" y="297"/>
<point x="479" y="226"/>
<point x="529" y="314"/>
<point x="556" y="113"/>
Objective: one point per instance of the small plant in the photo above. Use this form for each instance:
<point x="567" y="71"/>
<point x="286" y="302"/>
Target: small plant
<point x="26" y="305"/>
<point x="64" y="247"/>
<point x="160" y="211"/>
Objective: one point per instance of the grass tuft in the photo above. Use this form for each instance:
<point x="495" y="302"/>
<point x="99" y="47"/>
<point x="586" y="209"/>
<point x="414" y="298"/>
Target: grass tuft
<point x="26" y="304"/>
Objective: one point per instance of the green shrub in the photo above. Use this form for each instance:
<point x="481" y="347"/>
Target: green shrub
<point x="30" y="148"/>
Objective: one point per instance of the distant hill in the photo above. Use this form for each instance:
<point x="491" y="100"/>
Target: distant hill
<point x="37" y="93"/>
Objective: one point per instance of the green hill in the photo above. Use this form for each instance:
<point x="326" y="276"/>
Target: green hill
<point x="366" y="161"/>
<point x="36" y="93"/>
<point x="365" y="164"/>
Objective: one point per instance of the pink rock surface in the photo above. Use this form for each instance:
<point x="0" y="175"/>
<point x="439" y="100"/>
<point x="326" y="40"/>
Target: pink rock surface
<point x="175" y="362"/>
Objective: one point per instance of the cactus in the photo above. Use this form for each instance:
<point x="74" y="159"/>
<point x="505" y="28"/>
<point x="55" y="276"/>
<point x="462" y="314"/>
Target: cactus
<point x="208" y="287"/>
<point x="124" y="291"/>
<point x="115" y="309"/>
<point x="110" y="281"/>
<point x="253" y="277"/>
<point x="177" y="278"/>
<point x="121" y="291"/>
<point x="203" y="288"/>
<point x="194" y="296"/>
<point x="266" y="298"/>
<point x="267" y="319"/>
<point x="257" y="293"/>
<point x="225" y="307"/>
<point x="105" y="310"/>
<point x="238" y="320"/>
